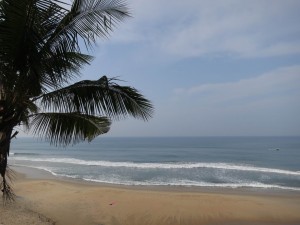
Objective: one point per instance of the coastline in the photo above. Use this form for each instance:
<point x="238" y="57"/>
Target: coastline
<point x="41" y="174"/>
<point x="68" y="201"/>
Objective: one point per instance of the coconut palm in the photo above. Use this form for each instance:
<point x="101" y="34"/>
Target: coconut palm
<point x="40" y="54"/>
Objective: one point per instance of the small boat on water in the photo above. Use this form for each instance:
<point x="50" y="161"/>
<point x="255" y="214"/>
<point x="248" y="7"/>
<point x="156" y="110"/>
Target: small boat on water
<point x="274" y="149"/>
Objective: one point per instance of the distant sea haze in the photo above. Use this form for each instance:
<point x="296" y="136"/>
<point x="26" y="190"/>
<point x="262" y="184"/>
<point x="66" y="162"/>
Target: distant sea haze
<point x="251" y="162"/>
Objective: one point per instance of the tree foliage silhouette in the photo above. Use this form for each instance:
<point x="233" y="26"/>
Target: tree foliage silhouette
<point x="40" y="54"/>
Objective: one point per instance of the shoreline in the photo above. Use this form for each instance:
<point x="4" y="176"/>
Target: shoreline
<point x="66" y="201"/>
<point x="41" y="174"/>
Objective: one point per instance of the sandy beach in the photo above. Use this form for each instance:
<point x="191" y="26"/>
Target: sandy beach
<point x="45" y="199"/>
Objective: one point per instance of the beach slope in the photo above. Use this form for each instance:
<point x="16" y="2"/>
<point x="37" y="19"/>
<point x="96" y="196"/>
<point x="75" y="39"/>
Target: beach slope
<point x="79" y="203"/>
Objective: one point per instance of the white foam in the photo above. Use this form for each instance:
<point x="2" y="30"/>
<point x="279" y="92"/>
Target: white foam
<point x="40" y="168"/>
<point x="50" y="171"/>
<point x="189" y="183"/>
<point x="191" y="165"/>
<point x="177" y="182"/>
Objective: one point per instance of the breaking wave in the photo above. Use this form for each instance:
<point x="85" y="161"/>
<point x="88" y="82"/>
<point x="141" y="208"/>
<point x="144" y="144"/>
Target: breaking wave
<point x="188" y="165"/>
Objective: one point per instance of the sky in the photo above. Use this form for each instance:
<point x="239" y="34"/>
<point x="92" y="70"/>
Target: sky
<point x="210" y="67"/>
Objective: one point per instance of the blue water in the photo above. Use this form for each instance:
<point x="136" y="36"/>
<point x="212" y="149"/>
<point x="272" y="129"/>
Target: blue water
<point x="254" y="162"/>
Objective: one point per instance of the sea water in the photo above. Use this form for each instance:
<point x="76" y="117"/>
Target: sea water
<point x="253" y="162"/>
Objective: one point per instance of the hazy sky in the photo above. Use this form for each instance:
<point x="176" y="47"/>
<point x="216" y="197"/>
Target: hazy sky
<point x="210" y="67"/>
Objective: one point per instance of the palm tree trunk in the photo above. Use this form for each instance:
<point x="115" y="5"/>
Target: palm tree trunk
<point x="7" y="122"/>
<point x="5" y="137"/>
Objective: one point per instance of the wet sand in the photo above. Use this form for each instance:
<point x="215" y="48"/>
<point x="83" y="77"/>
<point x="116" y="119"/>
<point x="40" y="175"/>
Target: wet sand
<point x="68" y="202"/>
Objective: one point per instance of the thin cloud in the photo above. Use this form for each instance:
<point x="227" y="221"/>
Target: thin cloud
<point x="280" y="82"/>
<point x="199" y="28"/>
<point x="267" y="104"/>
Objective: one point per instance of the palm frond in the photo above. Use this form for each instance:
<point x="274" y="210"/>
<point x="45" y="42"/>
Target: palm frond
<point x="61" y="65"/>
<point x="66" y="128"/>
<point x="88" y="19"/>
<point x="22" y="32"/>
<point x="102" y="96"/>
<point x="6" y="186"/>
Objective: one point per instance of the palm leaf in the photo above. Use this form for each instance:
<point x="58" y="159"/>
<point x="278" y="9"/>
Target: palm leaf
<point x="66" y="128"/>
<point x="61" y="65"/>
<point x="88" y="19"/>
<point x="23" y="27"/>
<point x="102" y="96"/>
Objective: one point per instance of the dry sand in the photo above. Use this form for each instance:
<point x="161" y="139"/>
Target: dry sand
<point x="79" y="203"/>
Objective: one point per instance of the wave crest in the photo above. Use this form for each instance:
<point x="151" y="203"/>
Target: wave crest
<point x="188" y="165"/>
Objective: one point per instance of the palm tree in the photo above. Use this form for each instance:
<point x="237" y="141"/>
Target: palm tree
<point x="40" y="54"/>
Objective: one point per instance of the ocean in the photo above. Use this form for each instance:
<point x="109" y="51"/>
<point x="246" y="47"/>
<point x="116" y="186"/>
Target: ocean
<point x="232" y="162"/>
